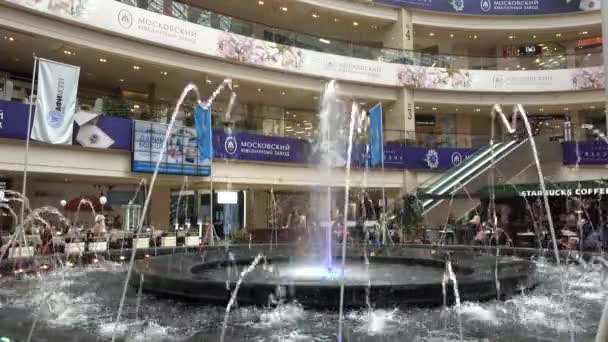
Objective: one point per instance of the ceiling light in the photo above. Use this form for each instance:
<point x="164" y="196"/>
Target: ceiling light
<point x="542" y="109"/>
<point x="336" y="20"/>
<point x="67" y="52"/>
<point x="282" y="93"/>
<point x="417" y="107"/>
<point x="534" y="37"/>
<point x="434" y="108"/>
<point x="136" y="106"/>
<point x="591" y="107"/>
<point x="122" y="80"/>
<point x="558" y="34"/>
<point x="208" y="81"/>
<point x="164" y="73"/>
<point x="566" y="108"/>
<point x="259" y="89"/>
<point x="511" y="37"/>
<point x="315" y="15"/>
<point x="103" y="60"/>
<point x="260" y="2"/>
<point x="451" y="35"/>
<point x="236" y="86"/>
<point x="478" y="110"/>
<point x="355" y="23"/>
<point x="584" y="32"/>
<point x="457" y="109"/>
<point x="323" y="40"/>
<point x="11" y="39"/>
<point x="136" y="67"/>
<point x="284" y="9"/>
<point x="431" y="34"/>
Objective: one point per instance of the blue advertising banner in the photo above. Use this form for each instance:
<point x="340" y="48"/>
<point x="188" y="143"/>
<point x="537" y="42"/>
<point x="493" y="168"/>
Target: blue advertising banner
<point x="244" y="146"/>
<point x="180" y="157"/>
<point x="202" y="122"/>
<point x="375" y="116"/>
<point x="416" y="158"/>
<point x="13" y="120"/>
<point x="101" y="132"/>
<point x="499" y="7"/>
<point x="585" y="153"/>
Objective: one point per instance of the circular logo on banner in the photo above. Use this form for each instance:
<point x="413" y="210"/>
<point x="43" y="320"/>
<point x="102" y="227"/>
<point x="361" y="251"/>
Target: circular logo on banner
<point x="432" y="159"/>
<point x="54" y="118"/>
<point x="456" y="158"/>
<point x="486" y="5"/>
<point x="125" y="19"/>
<point x="230" y="145"/>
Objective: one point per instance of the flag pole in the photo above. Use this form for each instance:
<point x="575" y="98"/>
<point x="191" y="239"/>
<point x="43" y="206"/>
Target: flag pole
<point x="27" y="140"/>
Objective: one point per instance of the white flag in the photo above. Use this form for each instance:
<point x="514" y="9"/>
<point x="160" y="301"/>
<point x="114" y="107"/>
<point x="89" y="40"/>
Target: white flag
<point x="55" y="102"/>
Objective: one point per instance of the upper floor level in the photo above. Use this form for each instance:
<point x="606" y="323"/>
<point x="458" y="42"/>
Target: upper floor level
<point x="193" y="32"/>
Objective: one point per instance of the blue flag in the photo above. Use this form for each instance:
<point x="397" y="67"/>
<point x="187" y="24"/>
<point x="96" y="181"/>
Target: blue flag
<point x="202" y="122"/>
<point x="376" y="143"/>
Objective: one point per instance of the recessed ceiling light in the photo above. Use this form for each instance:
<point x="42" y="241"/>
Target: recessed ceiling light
<point x="558" y="34"/>
<point x="103" y="60"/>
<point x="67" y="52"/>
<point x="431" y="34"/>
<point x="434" y="108"/>
<point x="475" y="37"/>
<point x="315" y="15"/>
<point x="355" y="23"/>
<point x="284" y="9"/>
<point x="451" y="35"/>
<point x="457" y="109"/>
<point x="282" y="93"/>
<point x="542" y="109"/>
<point x="584" y="32"/>
<point x="477" y="110"/>
<point x="259" y="89"/>
<point x="236" y="86"/>
<point x="260" y="2"/>
<point x="534" y="37"/>
<point x="323" y="40"/>
<point x="417" y="107"/>
<point x="136" y="67"/>
<point x="122" y="80"/>
<point x="136" y="106"/>
<point x="336" y="20"/>
<point x="164" y="73"/>
<point x="11" y="39"/>
<point x="511" y="37"/>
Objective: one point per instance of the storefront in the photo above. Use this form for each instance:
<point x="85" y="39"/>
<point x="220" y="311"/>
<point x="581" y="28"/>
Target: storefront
<point x="520" y="207"/>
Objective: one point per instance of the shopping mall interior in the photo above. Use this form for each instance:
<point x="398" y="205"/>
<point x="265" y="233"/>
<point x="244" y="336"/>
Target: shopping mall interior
<point x="348" y="163"/>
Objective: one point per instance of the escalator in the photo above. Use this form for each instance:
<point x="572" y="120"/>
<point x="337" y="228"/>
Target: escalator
<point x="461" y="184"/>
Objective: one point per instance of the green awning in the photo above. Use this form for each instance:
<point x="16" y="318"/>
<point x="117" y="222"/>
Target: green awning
<point x="559" y="189"/>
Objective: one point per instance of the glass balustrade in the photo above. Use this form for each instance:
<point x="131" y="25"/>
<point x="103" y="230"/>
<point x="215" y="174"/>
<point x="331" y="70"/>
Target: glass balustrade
<point x="204" y="17"/>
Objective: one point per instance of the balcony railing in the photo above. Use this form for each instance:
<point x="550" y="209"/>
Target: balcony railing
<point x="547" y="61"/>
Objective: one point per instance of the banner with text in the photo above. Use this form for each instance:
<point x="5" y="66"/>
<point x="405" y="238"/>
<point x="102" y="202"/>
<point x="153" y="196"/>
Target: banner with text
<point x="55" y="102"/>
<point x="180" y="157"/>
<point x="415" y="158"/>
<point x="244" y="146"/>
<point x="499" y="7"/>
<point x="122" y="19"/>
<point x="585" y="153"/>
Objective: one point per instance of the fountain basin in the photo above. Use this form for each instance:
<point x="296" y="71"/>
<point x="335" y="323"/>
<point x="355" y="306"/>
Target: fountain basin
<point x="395" y="276"/>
